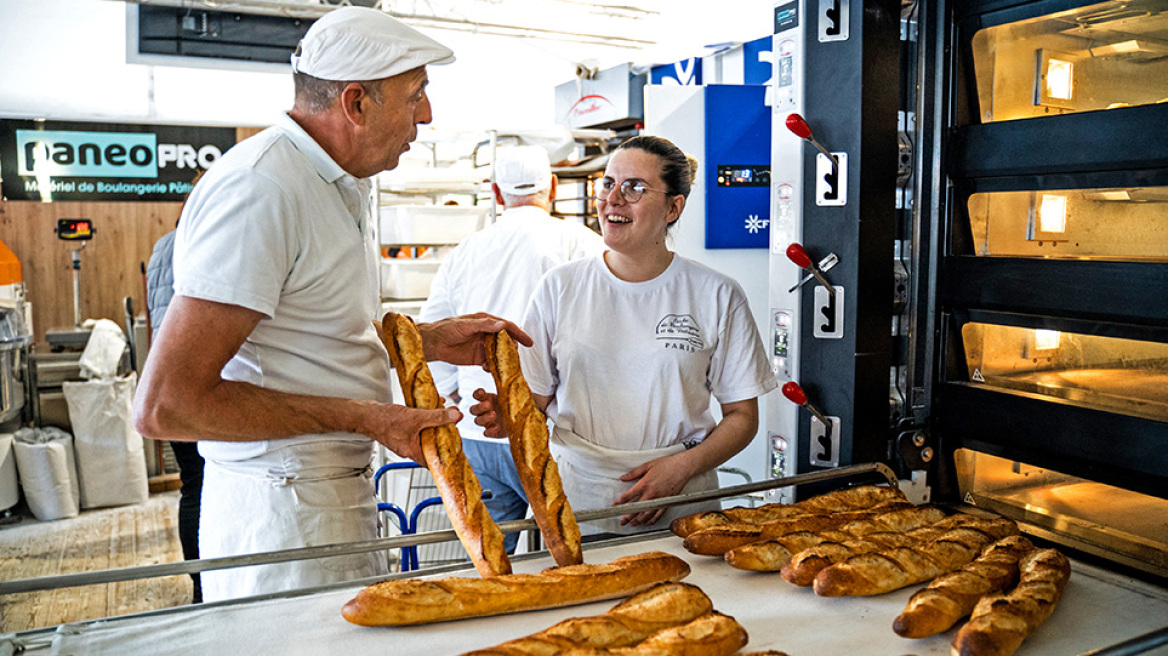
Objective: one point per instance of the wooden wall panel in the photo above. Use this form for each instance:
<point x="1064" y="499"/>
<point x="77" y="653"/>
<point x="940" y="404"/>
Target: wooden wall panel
<point x="110" y="263"/>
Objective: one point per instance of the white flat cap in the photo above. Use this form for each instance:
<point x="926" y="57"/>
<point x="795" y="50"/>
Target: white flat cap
<point x="358" y="43"/>
<point x="522" y="170"/>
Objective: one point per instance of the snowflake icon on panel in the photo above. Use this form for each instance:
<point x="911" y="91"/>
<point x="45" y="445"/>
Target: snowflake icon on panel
<point x="754" y="224"/>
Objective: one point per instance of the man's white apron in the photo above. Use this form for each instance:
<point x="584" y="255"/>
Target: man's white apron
<point x="301" y="495"/>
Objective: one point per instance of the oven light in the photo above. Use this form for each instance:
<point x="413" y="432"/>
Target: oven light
<point x="1052" y="214"/>
<point x="1045" y="340"/>
<point x="1059" y="78"/>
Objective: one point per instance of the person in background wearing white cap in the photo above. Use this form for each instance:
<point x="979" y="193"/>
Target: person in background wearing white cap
<point x="268" y="356"/>
<point x="495" y="270"/>
<point x="631" y="348"/>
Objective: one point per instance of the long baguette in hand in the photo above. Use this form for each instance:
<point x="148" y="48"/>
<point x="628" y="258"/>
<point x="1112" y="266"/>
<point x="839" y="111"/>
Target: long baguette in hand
<point x="710" y="635"/>
<point x="950" y="597"/>
<point x="892" y="569"/>
<point x="457" y="484"/>
<point x="855" y="498"/>
<point x="416" y="601"/>
<point x="1000" y="623"/>
<point x="527" y="428"/>
<point x="626" y="624"/>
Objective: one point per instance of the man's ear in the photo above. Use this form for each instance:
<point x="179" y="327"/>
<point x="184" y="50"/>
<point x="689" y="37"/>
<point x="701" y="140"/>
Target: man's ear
<point x="554" y="187"/>
<point x="354" y="102"/>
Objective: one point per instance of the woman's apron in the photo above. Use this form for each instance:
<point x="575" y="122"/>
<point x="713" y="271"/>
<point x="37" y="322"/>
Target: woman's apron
<point x="301" y="495"/>
<point x="591" y="478"/>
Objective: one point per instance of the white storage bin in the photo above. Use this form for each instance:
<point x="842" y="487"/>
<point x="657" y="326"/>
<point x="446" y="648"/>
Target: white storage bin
<point x="429" y="224"/>
<point x="407" y="278"/>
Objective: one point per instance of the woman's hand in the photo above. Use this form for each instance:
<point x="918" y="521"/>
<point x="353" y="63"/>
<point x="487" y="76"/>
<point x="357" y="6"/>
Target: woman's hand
<point x="663" y="477"/>
<point x="486" y="414"/>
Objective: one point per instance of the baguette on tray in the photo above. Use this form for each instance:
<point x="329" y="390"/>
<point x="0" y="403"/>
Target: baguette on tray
<point x="710" y="635"/>
<point x="415" y="601"/>
<point x="626" y="624"/>
<point x="527" y="428"/>
<point x="854" y="498"/>
<point x="893" y="515"/>
<point x="803" y="566"/>
<point x="892" y="569"/>
<point x="1000" y="623"/>
<point x="949" y="598"/>
<point x="457" y="484"/>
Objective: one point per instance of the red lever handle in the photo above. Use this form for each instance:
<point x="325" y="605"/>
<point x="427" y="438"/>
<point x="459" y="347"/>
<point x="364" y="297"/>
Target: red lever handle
<point x="796" y="124"/>
<point x="794" y="393"/>
<point x="798" y="255"/>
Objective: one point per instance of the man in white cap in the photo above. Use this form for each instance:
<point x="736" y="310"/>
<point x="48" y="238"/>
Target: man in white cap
<point x="268" y="356"/>
<point x="495" y="270"/>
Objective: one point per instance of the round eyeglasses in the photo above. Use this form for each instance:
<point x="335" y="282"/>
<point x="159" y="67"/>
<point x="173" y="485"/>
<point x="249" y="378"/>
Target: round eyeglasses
<point x="632" y="190"/>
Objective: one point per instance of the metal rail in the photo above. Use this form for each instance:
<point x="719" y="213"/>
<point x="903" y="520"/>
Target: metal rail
<point x="286" y="555"/>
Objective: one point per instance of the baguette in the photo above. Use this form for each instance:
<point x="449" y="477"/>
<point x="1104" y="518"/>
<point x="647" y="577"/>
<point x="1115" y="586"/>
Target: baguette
<point x="414" y="601"/>
<point x="1000" y="623"/>
<point x="714" y="634"/>
<point x="856" y="498"/>
<point x="772" y="555"/>
<point x="800" y="556"/>
<point x="717" y="540"/>
<point x="527" y="428"/>
<point x="802" y="567"/>
<point x="626" y="624"/>
<point x="684" y="526"/>
<point x="442" y="449"/>
<point x="951" y="597"/>
<point x="892" y="569"/>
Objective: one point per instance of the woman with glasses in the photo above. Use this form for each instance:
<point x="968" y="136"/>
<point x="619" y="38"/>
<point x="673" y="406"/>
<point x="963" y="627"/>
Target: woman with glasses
<point x="631" y="345"/>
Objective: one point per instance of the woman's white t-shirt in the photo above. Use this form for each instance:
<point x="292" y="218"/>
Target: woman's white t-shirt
<point x="632" y="366"/>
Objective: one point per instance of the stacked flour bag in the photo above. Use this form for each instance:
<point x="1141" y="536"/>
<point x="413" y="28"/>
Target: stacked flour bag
<point x="111" y="459"/>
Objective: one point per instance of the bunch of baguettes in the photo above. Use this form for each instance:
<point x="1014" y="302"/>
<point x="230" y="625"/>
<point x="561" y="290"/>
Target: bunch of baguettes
<point x="870" y="540"/>
<point x="406" y="602"/>
<point x="675" y="619"/>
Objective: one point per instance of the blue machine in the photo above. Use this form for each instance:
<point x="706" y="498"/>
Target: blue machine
<point x="737" y="175"/>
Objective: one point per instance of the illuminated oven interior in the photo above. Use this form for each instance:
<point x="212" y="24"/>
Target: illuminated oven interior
<point x="1116" y="375"/>
<point x="1119" y="224"/>
<point x="1106" y="55"/>
<point x="1119" y="524"/>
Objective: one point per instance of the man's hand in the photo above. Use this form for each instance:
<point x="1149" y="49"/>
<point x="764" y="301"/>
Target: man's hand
<point x="486" y="413"/>
<point x="663" y="477"/>
<point x="459" y="340"/>
<point x="399" y="428"/>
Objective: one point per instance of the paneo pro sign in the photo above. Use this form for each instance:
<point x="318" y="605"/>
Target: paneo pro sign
<point x="49" y="161"/>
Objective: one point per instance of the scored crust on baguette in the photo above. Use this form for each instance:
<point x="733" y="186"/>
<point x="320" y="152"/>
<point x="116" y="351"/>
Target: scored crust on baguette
<point x="415" y="601"/>
<point x="717" y="540"/>
<point x="1000" y="623"/>
<point x="527" y="428"/>
<point x="950" y="597"/>
<point x="626" y="624"/>
<point x="803" y="566"/>
<point x="856" y="498"/>
<point x="457" y="484"/>
<point x="891" y="569"/>
<point x="714" y="634"/>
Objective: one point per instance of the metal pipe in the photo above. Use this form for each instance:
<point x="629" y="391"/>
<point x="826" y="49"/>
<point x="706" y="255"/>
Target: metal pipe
<point x="192" y="566"/>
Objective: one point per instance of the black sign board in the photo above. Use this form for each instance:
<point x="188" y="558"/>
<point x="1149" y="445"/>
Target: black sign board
<point x="58" y="160"/>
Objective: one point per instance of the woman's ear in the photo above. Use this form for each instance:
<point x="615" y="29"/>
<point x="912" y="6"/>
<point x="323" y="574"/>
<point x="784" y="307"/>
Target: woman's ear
<point x="676" y="207"/>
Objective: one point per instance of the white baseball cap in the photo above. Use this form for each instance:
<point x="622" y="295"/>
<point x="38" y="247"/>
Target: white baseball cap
<point x="359" y="43"/>
<point x="522" y="170"/>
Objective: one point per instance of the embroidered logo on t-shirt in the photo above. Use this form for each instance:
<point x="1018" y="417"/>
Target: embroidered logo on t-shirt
<point x="680" y="331"/>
